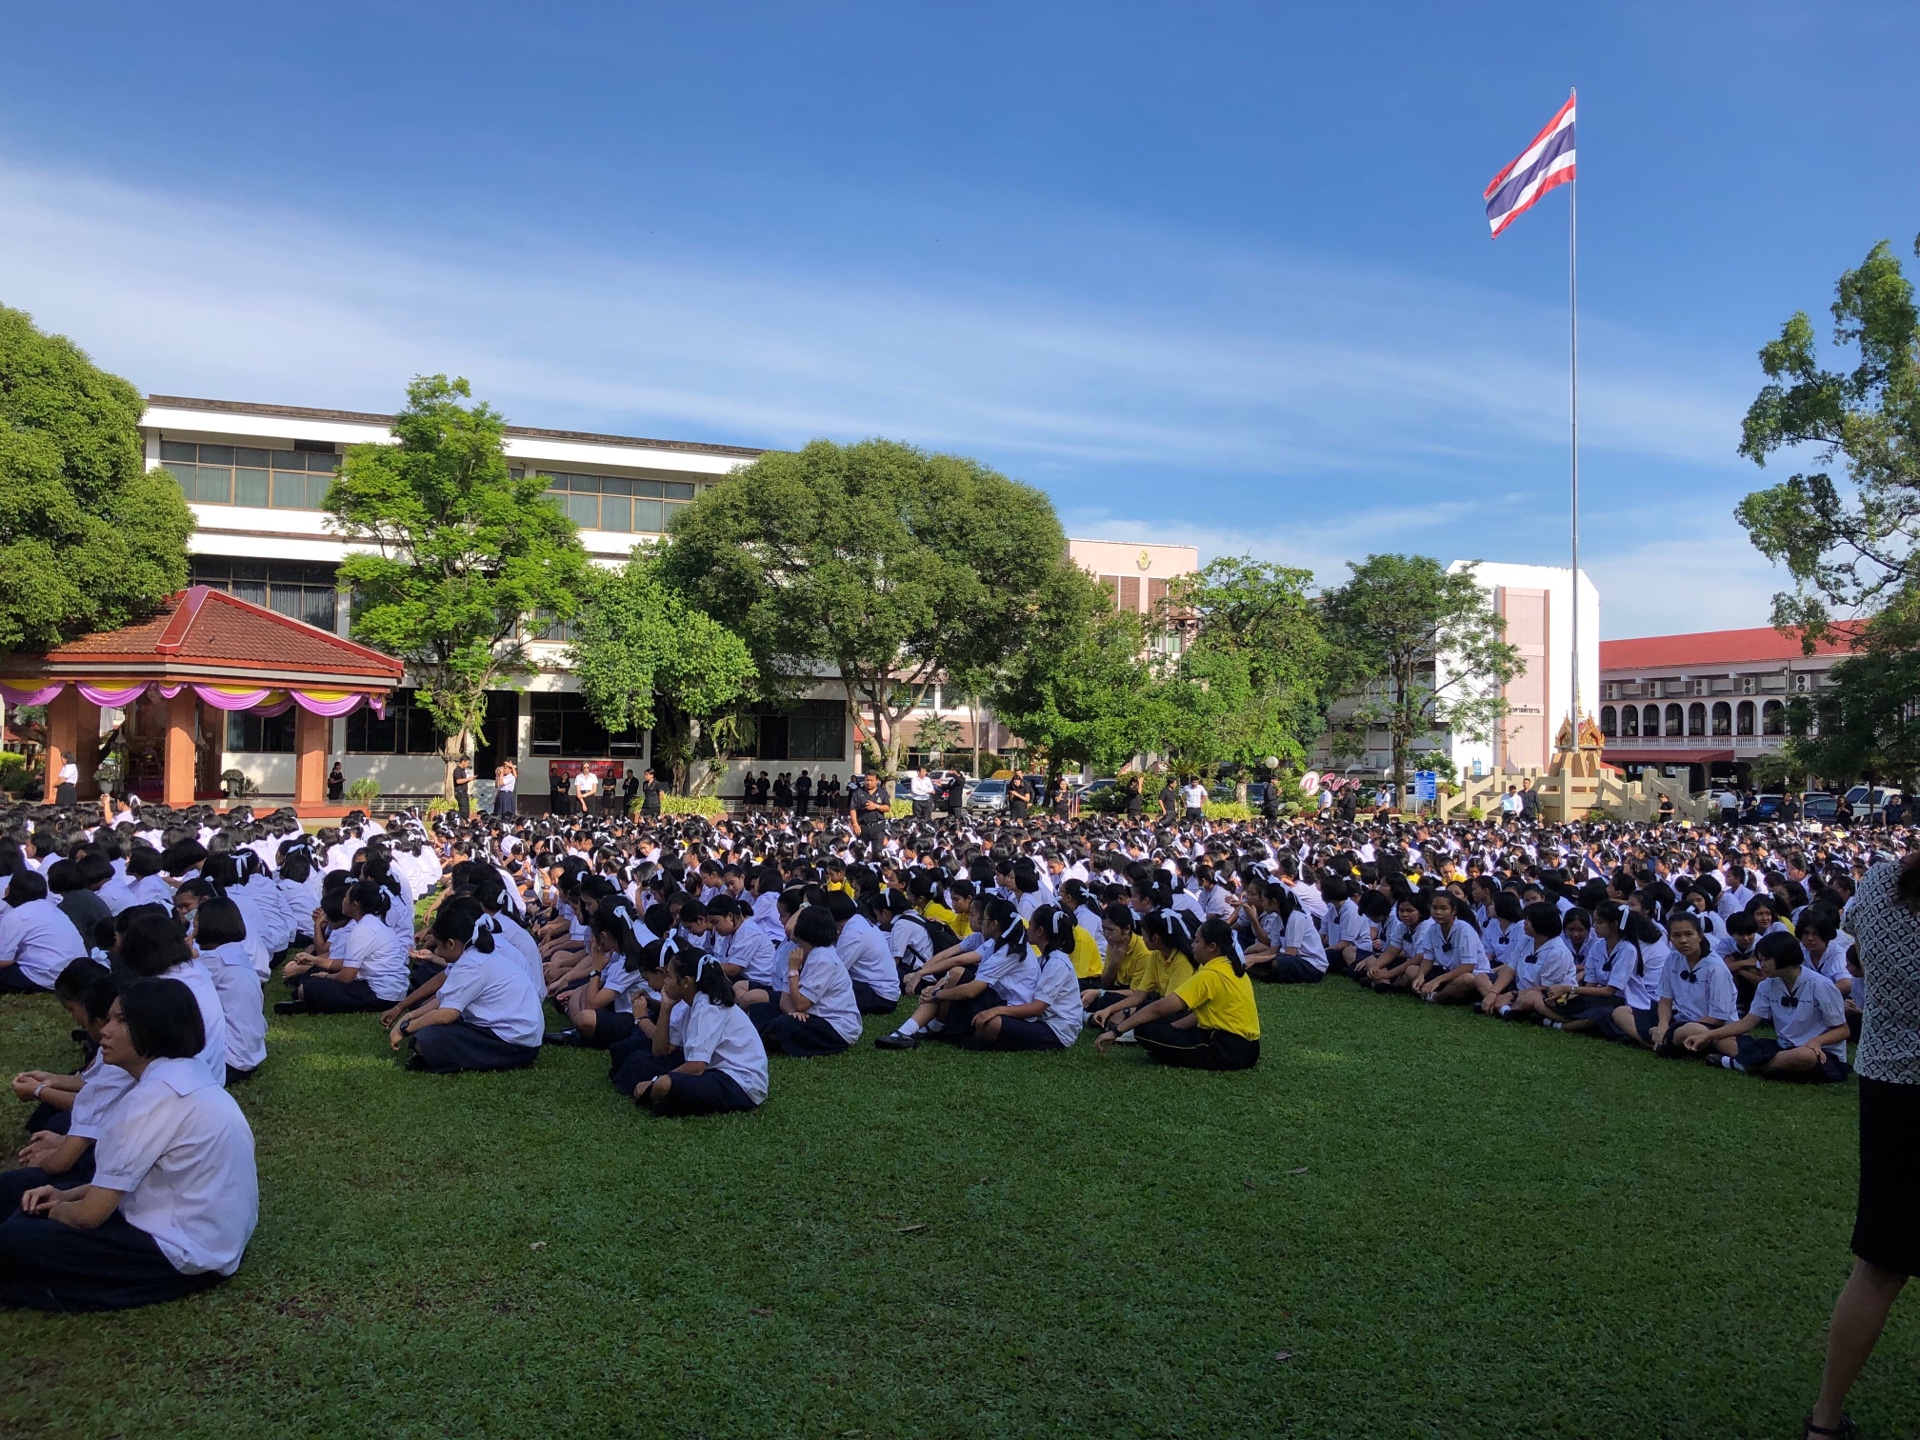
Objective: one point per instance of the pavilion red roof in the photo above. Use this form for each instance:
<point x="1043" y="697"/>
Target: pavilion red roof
<point x="1712" y="647"/>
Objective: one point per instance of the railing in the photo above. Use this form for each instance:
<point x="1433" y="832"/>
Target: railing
<point x="1565" y="796"/>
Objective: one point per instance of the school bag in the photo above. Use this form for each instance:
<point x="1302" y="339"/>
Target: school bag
<point x="940" y="935"/>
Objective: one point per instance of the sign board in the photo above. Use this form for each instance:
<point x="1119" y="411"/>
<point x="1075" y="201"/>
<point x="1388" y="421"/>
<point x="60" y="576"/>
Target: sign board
<point x="1425" y="788"/>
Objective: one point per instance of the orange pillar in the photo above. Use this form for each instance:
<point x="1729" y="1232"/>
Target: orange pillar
<point x="63" y="735"/>
<point x="182" y="758"/>
<point x="86" y="753"/>
<point x="311" y="734"/>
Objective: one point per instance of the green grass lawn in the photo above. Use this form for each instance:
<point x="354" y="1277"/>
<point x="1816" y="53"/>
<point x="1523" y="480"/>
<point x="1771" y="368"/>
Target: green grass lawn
<point x="1404" y="1223"/>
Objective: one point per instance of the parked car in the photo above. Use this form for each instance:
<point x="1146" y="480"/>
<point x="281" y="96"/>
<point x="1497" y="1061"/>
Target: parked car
<point x="1766" y="807"/>
<point x="987" y="795"/>
<point x="1869" y="802"/>
<point x="1818" y="805"/>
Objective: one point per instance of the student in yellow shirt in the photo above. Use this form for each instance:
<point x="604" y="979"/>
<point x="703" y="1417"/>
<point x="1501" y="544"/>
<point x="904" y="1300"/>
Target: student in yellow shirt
<point x="1165" y="962"/>
<point x="1208" y="1023"/>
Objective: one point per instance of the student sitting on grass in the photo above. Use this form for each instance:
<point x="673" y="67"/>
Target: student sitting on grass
<point x="1581" y="1009"/>
<point x="1696" y="992"/>
<point x="359" y="964"/>
<point x="154" y="947"/>
<point x="219" y="938"/>
<point x="1000" y="970"/>
<point x="816" y="1013"/>
<point x="36" y="937"/>
<point x="486" y="1015"/>
<point x="69" y="1110"/>
<point x="1808" y="1016"/>
<point x="1537" y="962"/>
<point x="1052" y="1019"/>
<point x="1208" y="1023"/>
<point x="864" y="950"/>
<point x="1127" y="971"/>
<point x="1397" y="964"/>
<point x="174" y="1196"/>
<point x="599" y="1010"/>
<point x="1290" y="950"/>
<point x="723" y="1064"/>
<point x="1451" y="949"/>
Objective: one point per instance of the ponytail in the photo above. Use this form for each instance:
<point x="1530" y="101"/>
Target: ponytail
<point x="708" y="975"/>
<point x="1056" y="929"/>
<point x="463" y="921"/>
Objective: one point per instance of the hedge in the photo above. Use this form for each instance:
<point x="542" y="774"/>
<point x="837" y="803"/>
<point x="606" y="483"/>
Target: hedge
<point x="711" y="806"/>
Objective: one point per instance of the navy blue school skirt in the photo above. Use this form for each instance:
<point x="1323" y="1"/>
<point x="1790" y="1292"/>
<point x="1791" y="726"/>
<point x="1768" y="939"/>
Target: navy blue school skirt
<point x="711" y="1092"/>
<point x="1017" y="1034"/>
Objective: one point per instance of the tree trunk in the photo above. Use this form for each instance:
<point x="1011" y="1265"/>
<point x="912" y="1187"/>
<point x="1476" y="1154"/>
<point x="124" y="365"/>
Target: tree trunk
<point x="1401" y="721"/>
<point x="696" y="767"/>
<point x="450" y="754"/>
<point x="973" y="715"/>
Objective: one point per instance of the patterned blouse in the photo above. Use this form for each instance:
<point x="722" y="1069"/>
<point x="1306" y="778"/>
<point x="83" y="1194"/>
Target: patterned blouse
<point x="1889" y="940"/>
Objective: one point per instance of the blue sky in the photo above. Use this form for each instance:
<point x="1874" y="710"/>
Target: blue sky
<point x="1206" y="272"/>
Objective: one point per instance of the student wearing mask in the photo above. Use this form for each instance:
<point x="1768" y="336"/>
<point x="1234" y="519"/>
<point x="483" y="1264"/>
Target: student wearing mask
<point x="174" y="1196"/>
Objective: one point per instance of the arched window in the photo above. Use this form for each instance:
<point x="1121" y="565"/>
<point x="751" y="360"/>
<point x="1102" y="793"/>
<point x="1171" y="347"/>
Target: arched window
<point x="1696" y="719"/>
<point x="1630" y="720"/>
<point x="1650" y="720"/>
<point x="1744" y="721"/>
<point x="1609" y="721"/>
<point x="1676" y="723"/>
<point x="1773" y="718"/>
<point x="1722" y="718"/>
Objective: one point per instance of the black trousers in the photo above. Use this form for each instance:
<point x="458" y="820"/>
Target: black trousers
<point x="12" y="982"/>
<point x="463" y="798"/>
<point x="449" y="1049"/>
<point x="328" y="996"/>
<point x="45" y="1265"/>
<point x="15" y="1183"/>
<point x="799" y="1036"/>
<point x="1195" y="1048"/>
<point x="871" y="1001"/>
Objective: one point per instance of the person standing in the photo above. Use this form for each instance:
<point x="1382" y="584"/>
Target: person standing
<point x="505" y="781"/>
<point x="870" y="809"/>
<point x="336" y="785"/>
<point x="651" y="790"/>
<point x="1019" y="797"/>
<point x="1169" y="799"/>
<point x="802" y="794"/>
<point x="69" y="788"/>
<point x="1195" y="795"/>
<point x="586" y="785"/>
<point x="463" y="788"/>
<point x="920" y="791"/>
<point x="1885" y="921"/>
<point x="1529" y="801"/>
<point x="630" y="791"/>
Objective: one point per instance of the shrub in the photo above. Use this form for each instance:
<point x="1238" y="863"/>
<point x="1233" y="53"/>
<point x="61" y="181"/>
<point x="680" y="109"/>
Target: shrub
<point x="1474" y="812"/>
<point x="363" y="792"/>
<point x="438" y="805"/>
<point x="1227" y="810"/>
<point x="711" y="806"/>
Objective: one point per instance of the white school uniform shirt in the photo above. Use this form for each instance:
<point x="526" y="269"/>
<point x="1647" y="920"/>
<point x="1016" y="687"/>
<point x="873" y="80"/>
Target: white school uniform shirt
<point x="116" y="894"/>
<point x="766" y="914"/>
<point x="510" y="934"/>
<point x="370" y="947"/>
<point x="101" y="1086"/>
<point x="40" y="939"/>
<point x="1302" y="937"/>
<point x="1309" y="896"/>
<point x="278" y="920"/>
<point x="908" y="940"/>
<point x="1700" y="991"/>
<point x="492" y="991"/>
<point x="242" y="1003"/>
<point x="723" y="1038"/>
<point x="1461" y="946"/>
<point x="213" y="1014"/>
<point x="1536" y="967"/>
<point x="152" y="890"/>
<point x="1811" y="1006"/>
<point x="1059" y="989"/>
<point x="1089" y="920"/>
<point x="829" y="991"/>
<point x="1012" y="971"/>
<point x="753" y="952"/>
<point x="868" y="958"/>
<point x="1637" y="975"/>
<point x="179" y="1149"/>
<point x="301" y="901"/>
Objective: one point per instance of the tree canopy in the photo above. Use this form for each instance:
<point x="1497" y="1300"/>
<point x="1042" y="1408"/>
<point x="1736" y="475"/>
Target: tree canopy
<point x="638" y="643"/>
<point x="890" y="564"/>
<point x="466" y="552"/>
<point x="1392" y="621"/>
<point x="90" y="539"/>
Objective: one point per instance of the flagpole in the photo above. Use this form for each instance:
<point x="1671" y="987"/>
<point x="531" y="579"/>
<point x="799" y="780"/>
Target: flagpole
<point x="1573" y="410"/>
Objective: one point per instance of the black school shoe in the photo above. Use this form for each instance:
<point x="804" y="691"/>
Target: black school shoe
<point x="289" y="1007"/>
<point x="897" y="1041"/>
<point x="568" y="1037"/>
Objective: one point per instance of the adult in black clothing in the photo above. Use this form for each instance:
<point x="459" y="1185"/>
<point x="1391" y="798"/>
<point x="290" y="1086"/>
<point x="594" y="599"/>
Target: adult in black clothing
<point x="652" y="790"/>
<point x="336" y="784"/>
<point x="1136" y="798"/>
<point x="782" y="792"/>
<point x="802" y="794"/>
<point x="463" y="788"/>
<point x="559" y="800"/>
<point x="953" y="794"/>
<point x="1019" y="797"/>
<point x="629" y="790"/>
<point x="870" y="808"/>
<point x="1169" y="800"/>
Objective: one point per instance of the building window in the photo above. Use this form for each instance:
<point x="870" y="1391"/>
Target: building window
<point x="1745" y="718"/>
<point x="256" y="734"/>
<point x="1696" y="719"/>
<point x="406" y="729"/>
<point x="1650" y="721"/>
<point x="1773" y="718"/>
<point x="544" y="626"/>
<point x="1630" y="722"/>
<point x="300" y="589"/>
<point x="1722" y="718"/>
<point x="811" y="730"/>
<point x="608" y="502"/>
<point x="563" y="727"/>
<point x="1676" y="721"/>
<point x="1609" y="721"/>
<point x="242" y="475"/>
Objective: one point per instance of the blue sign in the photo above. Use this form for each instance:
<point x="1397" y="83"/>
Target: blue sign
<point x="1425" y="787"/>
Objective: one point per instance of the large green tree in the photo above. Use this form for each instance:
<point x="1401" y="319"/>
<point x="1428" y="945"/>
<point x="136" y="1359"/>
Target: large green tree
<point x="1848" y="541"/>
<point x="464" y="553"/>
<point x="90" y="539"/>
<point x="638" y="645"/>
<point x="1425" y="651"/>
<point x="1251" y="676"/>
<point x="884" y="562"/>
<point x="1079" y="690"/>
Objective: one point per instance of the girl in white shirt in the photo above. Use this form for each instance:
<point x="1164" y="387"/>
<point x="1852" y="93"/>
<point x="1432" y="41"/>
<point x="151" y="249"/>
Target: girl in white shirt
<point x="816" y="1013"/>
<point x="1453" y="952"/>
<point x="486" y="1015"/>
<point x="360" y="965"/>
<point x="1052" y="1018"/>
<point x="724" y="1064"/>
<point x="226" y="953"/>
<point x="174" y="1196"/>
<point x="1290" y="951"/>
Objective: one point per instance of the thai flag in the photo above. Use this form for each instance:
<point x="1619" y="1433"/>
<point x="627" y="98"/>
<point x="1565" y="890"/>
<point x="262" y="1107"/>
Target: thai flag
<point x="1547" y="162"/>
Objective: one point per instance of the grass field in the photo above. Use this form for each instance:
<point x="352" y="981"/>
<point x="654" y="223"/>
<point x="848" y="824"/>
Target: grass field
<point x="1404" y="1223"/>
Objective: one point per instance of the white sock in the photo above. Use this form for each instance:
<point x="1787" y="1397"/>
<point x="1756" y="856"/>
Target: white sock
<point x="1505" y="1010"/>
<point x="909" y="1026"/>
<point x="933" y="1027"/>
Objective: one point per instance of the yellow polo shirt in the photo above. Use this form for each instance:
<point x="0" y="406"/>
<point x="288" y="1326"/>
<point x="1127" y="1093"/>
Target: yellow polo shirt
<point x="1087" y="963"/>
<point x="1221" y="1000"/>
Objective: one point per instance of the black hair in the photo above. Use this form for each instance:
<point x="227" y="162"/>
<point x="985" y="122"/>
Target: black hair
<point x="153" y="945"/>
<point x="1056" y="930"/>
<point x="1782" y="949"/>
<point x="1119" y="915"/>
<point x="218" y="922"/>
<point x="1544" y="917"/>
<point x="707" y="974"/>
<point x="841" y="905"/>
<point x="1171" y="929"/>
<point x="372" y="898"/>
<point x="163" y="1019"/>
<point x="1219" y="934"/>
<point x="1742" y="923"/>
<point x="462" y="920"/>
<point x="814" y="926"/>
<point x="26" y="886"/>
<point x="87" y="984"/>
<point x="1001" y="911"/>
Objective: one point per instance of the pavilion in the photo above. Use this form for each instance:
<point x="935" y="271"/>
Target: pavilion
<point x="205" y="651"/>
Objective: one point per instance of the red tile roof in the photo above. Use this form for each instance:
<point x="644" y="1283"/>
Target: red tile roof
<point x="202" y="630"/>
<point x="1710" y="648"/>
